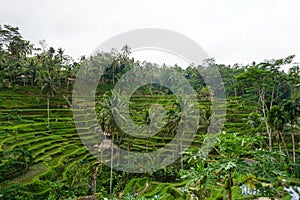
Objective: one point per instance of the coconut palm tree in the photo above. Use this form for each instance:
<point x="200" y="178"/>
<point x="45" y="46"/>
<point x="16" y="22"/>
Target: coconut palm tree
<point x="177" y="121"/>
<point x="106" y="121"/>
<point x="49" y="86"/>
<point x="108" y="108"/>
<point x="292" y="108"/>
<point x="277" y="120"/>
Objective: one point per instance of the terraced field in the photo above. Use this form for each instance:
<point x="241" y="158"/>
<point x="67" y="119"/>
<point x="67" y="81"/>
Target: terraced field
<point x="55" y="150"/>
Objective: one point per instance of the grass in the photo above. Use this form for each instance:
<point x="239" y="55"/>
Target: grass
<point x="56" y="150"/>
<point x="28" y="176"/>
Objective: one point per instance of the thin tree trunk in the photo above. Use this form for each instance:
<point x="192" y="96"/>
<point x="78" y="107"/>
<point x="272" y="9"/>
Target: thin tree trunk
<point x="278" y="140"/>
<point x="93" y="179"/>
<point x="235" y="94"/>
<point x="230" y="185"/>
<point x="113" y="76"/>
<point x="68" y="102"/>
<point x="111" y="166"/>
<point x="200" y="190"/>
<point x="293" y="141"/>
<point x="147" y="138"/>
<point x="128" y="152"/>
<point x="181" y="130"/>
<point x="272" y="96"/>
<point x="265" y="119"/>
<point x="181" y="155"/>
<point x="285" y="146"/>
<point x="48" y="110"/>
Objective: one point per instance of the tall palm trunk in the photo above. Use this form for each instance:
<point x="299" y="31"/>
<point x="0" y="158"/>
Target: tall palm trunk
<point x="147" y="139"/>
<point x="111" y="166"/>
<point x="264" y="109"/>
<point x="48" y="110"/>
<point x="113" y="74"/>
<point x="278" y="140"/>
<point x="181" y="138"/>
<point x="293" y="141"/>
<point x="94" y="177"/>
<point x="285" y="146"/>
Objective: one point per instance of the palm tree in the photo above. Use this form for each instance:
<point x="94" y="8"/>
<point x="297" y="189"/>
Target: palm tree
<point x="292" y="107"/>
<point x="108" y="109"/>
<point x="3" y="63"/>
<point x="147" y="120"/>
<point x="177" y="121"/>
<point x="277" y="120"/>
<point x="254" y="120"/>
<point x="49" y="86"/>
<point x="106" y="121"/>
<point x="94" y="176"/>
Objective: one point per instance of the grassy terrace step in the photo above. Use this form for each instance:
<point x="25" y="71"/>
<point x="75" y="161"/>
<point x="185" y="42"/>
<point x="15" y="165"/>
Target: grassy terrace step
<point x="48" y="153"/>
<point x="62" y="161"/>
<point x="21" y="102"/>
<point x="73" y="137"/>
<point x="60" y="125"/>
<point x="27" y="128"/>
<point x="35" y="110"/>
<point x="2" y="141"/>
<point x="12" y="142"/>
<point x="40" y="114"/>
<point x="24" y="136"/>
<point x="39" y="195"/>
<point x="83" y="157"/>
<point x="90" y="158"/>
<point x="66" y="132"/>
<point x="139" y="144"/>
<point x="27" y="139"/>
<point x="47" y="149"/>
<point x="28" y="176"/>
<point x="36" y="126"/>
<point x="31" y="134"/>
<point x="229" y="124"/>
<point x="80" y="155"/>
<point x="69" y="150"/>
<point x="33" y="141"/>
<point x="38" y="149"/>
<point x="234" y="118"/>
<point x="170" y="190"/>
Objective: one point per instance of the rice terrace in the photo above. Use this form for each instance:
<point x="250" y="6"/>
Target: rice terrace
<point x="44" y="153"/>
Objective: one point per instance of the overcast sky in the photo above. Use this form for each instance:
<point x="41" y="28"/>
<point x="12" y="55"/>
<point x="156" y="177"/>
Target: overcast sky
<point x="231" y="31"/>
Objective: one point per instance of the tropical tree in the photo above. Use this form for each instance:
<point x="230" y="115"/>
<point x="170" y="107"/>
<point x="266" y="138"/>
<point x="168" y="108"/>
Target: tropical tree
<point x="292" y="105"/>
<point x="233" y="155"/>
<point x="107" y="109"/>
<point x="230" y="82"/>
<point x="13" y="51"/>
<point x="255" y="126"/>
<point x="147" y="120"/>
<point x="277" y="120"/>
<point x="177" y="120"/>
<point x="48" y="87"/>
<point x="264" y="82"/>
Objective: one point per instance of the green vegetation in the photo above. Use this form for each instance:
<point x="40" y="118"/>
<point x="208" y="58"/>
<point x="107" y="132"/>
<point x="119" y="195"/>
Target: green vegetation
<point x="42" y="155"/>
